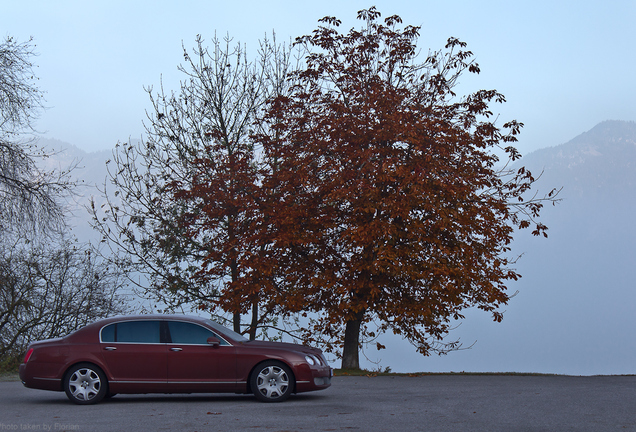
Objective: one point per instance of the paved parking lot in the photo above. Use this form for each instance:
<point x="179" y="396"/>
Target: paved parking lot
<point x="424" y="403"/>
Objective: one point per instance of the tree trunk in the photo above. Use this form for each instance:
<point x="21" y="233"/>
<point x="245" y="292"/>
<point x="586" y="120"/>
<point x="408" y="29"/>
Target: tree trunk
<point x="254" y="322"/>
<point x="237" y="321"/>
<point x="350" y="352"/>
<point x="236" y="317"/>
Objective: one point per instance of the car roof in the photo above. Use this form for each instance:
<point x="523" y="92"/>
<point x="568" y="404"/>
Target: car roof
<point x="168" y="317"/>
<point x="119" y="318"/>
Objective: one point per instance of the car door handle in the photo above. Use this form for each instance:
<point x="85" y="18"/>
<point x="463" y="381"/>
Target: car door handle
<point x="110" y="348"/>
<point x="176" y="349"/>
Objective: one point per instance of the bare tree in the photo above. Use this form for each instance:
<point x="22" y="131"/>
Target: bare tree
<point x="28" y="195"/>
<point x="49" y="286"/>
<point x="20" y="98"/>
<point x="48" y="290"/>
<point x="210" y="117"/>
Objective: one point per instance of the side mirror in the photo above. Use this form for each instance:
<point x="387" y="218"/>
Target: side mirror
<point x="215" y="342"/>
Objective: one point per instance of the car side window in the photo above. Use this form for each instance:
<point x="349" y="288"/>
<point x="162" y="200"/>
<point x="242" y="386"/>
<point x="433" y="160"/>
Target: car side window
<point x="108" y="333"/>
<point x="135" y="332"/>
<point x="191" y="334"/>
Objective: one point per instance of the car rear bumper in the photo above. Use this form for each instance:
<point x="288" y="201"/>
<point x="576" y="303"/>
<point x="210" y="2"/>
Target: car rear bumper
<point x="33" y="381"/>
<point x="22" y="366"/>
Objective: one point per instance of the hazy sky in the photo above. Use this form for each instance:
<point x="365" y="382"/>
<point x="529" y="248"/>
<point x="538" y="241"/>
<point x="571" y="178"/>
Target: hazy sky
<point x="564" y="66"/>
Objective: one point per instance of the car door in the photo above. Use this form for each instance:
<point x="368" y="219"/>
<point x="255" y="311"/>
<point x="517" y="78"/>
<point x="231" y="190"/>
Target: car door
<point x="135" y="356"/>
<point x="194" y="365"/>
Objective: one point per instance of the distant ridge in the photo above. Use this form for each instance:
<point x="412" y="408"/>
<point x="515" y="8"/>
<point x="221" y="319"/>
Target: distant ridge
<point x="606" y="138"/>
<point x="600" y="161"/>
<point x="576" y="299"/>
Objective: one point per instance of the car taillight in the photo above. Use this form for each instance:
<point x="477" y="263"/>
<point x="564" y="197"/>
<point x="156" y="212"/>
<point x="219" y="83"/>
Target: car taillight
<point x="28" y="355"/>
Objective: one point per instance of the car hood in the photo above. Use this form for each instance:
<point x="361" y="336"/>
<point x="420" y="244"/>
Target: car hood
<point x="283" y="345"/>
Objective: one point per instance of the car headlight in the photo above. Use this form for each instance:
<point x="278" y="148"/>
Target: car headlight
<point x="314" y="360"/>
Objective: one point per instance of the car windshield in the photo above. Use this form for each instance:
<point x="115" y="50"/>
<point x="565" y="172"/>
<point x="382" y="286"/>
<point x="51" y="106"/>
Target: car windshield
<point x="227" y="332"/>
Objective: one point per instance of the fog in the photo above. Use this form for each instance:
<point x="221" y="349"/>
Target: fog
<point x="574" y="311"/>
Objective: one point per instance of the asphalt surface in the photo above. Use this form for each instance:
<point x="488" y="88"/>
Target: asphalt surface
<point x="424" y="403"/>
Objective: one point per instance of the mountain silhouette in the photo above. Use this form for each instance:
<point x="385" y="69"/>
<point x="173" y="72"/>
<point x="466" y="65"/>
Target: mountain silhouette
<point x="578" y="280"/>
<point x="600" y="163"/>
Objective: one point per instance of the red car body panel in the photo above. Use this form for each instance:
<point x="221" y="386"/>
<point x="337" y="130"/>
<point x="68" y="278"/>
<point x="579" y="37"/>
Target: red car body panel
<point x="205" y="368"/>
<point x="169" y="367"/>
<point x="126" y="373"/>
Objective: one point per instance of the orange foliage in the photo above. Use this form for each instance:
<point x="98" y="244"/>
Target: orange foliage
<point x="378" y="198"/>
<point x="385" y="203"/>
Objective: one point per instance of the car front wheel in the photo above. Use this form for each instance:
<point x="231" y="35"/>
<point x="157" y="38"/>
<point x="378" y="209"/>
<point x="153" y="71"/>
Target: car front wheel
<point x="272" y="381"/>
<point x="85" y="384"/>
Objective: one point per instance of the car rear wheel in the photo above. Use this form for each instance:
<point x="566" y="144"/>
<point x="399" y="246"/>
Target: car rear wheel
<point x="272" y="381"/>
<point x="85" y="384"/>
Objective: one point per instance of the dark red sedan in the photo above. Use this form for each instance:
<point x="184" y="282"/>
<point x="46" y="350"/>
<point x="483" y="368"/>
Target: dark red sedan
<point x="170" y="354"/>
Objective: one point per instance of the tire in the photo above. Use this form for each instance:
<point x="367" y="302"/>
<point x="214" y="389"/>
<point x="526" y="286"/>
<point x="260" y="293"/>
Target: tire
<point x="272" y="381"/>
<point x="85" y="384"/>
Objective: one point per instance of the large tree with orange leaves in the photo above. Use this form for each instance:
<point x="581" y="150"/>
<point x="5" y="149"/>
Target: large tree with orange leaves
<point x="382" y="197"/>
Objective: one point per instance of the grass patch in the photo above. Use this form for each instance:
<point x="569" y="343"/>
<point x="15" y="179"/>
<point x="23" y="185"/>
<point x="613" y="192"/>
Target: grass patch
<point x="375" y="373"/>
<point x="368" y="373"/>
<point x="9" y="376"/>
